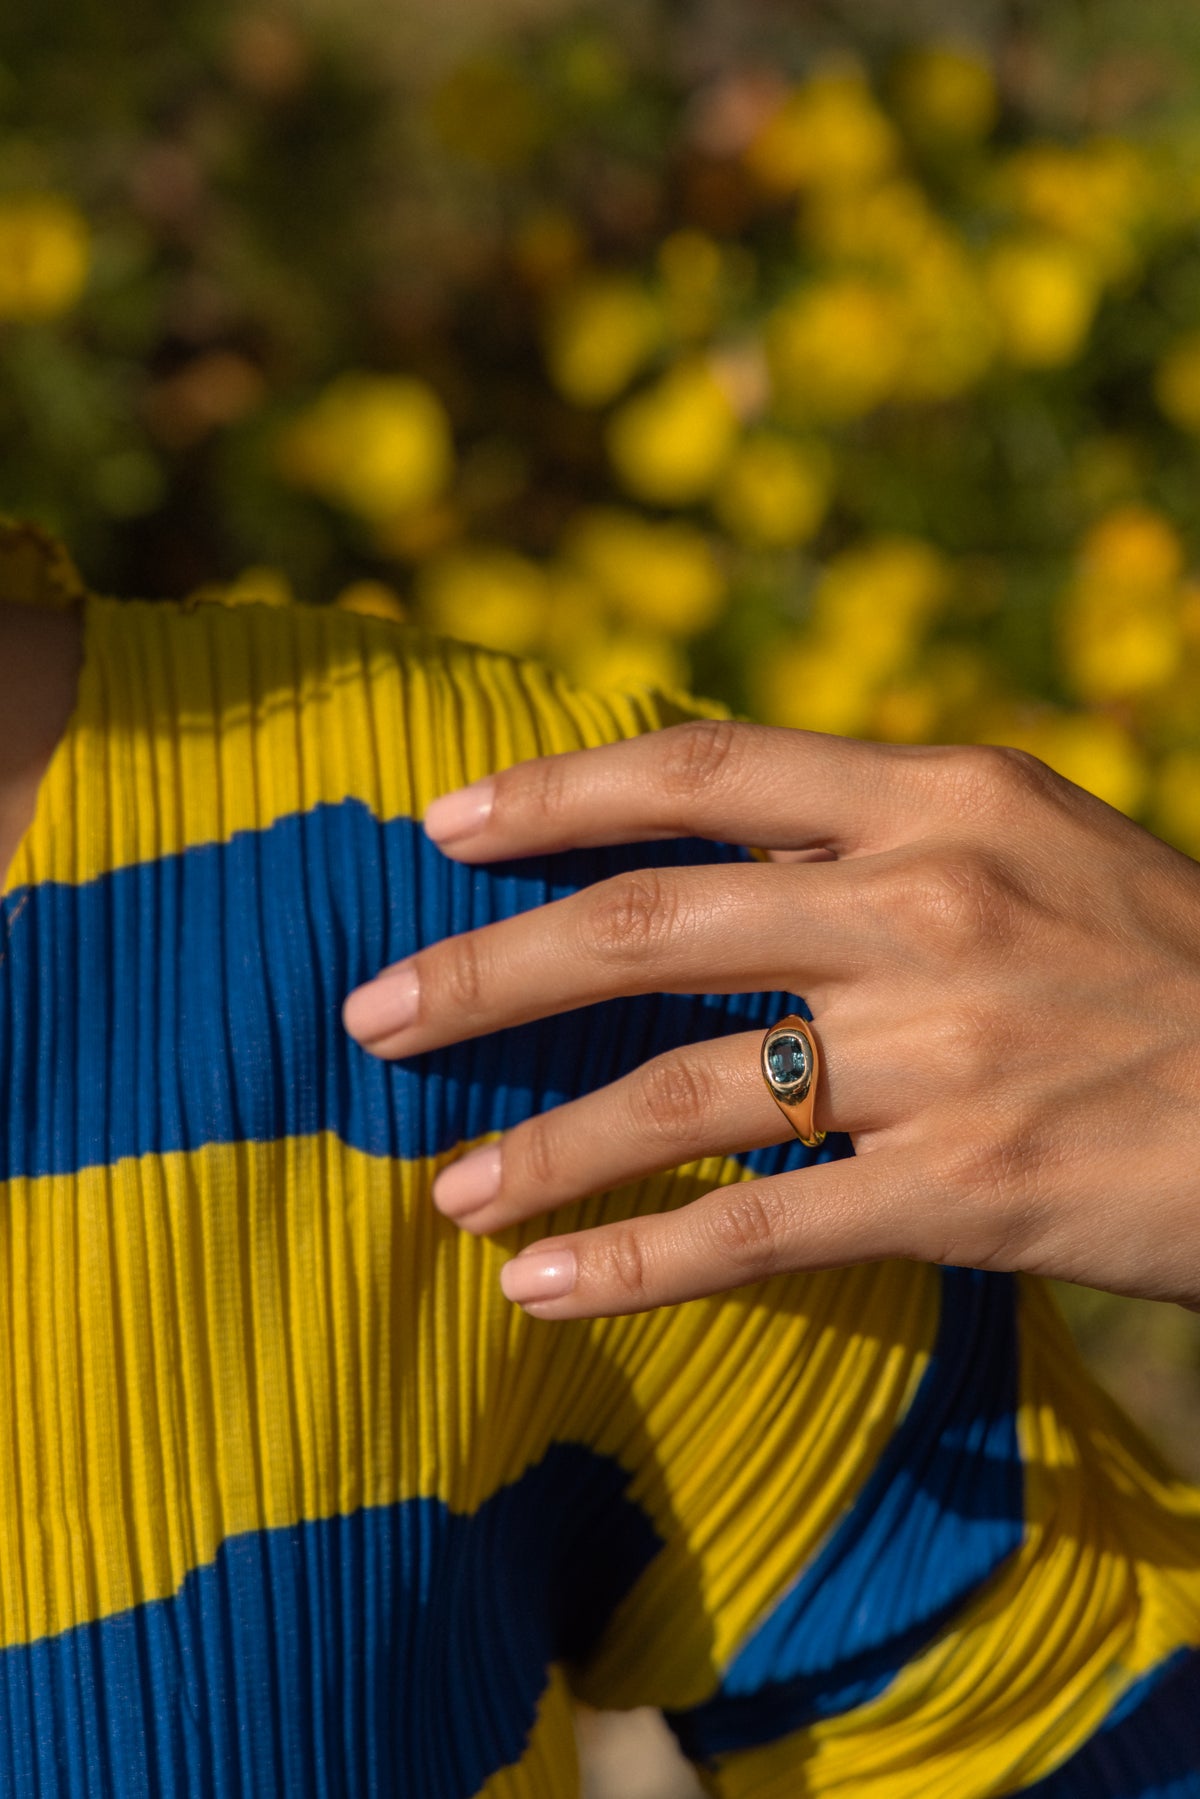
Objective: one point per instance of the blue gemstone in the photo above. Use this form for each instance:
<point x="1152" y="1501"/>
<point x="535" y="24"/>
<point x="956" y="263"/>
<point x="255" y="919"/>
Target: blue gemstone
<point x="789" y="1060"/>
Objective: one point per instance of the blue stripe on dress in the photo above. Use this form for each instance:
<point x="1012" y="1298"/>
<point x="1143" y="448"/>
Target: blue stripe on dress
<point x="939" y="1515"/>
<point x="196" y="999"/>
<point x="1147" y="1748"/>
<point x="399" y="1651"/>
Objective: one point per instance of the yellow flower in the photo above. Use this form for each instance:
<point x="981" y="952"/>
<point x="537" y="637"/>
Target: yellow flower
<point x="372" y="599"/>
<point x="949" y="330"/>
<point x="1120" y="628"/>
<point x="870" y="608"/>
<point x="872" y="603"/>
<point x="45" y="253"/>
<point x="1177" y="800"/>
<point x="1177" y="382"/>
<point x="939" y="701"/>
<point x="886" y="226"/>
<point x="941" y="322"/>
<point x="663" y="577"/>
<point x="378" y="445"/>
<point x="487" y="112"/>
<point x="602" y="652"/>
<point x="580" y="622"/>
<point x="1091" y="195"/>
<point x="1088" y="748"/>
<point x="1134" y="547"/>
<point x="906" y="712"/>
<point x="810" y="685"/>
<point x="623" y="660"/>
<point x="1044" y="296"/>
<point x="835" y="349"/>
<point x="669" y="444"/>
<point x="1112" y="648"/>
<point x="828" y="133"/>
<point x="488" y="595"/>
<point x="775" y="492"/>
<point x="945" y="95"/>
<point x="599" y="333"/>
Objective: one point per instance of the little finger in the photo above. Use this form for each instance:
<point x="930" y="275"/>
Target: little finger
<point x="858" y="1209"/>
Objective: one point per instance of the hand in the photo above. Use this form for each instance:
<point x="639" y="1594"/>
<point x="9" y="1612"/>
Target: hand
<point x="1004" y="978"/>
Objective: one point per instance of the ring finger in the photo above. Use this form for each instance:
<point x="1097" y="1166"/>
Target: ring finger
<point x="707" y="1100"/>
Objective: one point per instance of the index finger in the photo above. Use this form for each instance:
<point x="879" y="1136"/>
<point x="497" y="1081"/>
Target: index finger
<point x="715" y="778"/>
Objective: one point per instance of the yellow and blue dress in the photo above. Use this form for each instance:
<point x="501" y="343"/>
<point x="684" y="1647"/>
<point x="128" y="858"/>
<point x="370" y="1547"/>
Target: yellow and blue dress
<point x="292" y="1502"/>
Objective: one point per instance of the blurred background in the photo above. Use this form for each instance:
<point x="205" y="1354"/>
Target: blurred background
<point x="839" y="359"/>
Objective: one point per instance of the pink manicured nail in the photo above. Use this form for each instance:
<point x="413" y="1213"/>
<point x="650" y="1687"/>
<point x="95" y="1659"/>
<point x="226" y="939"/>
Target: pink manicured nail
<point x="468" y="1183"/>
<point x="461" y="813"/>
<point x="386" y="1004"/>
<point x="538" y="1274"/>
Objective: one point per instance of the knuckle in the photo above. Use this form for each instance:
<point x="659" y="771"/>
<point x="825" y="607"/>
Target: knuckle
<point x="961" y="899"/>
<point x="532" y="1148"/>
<point x="695" y="755"/>
<point x="622" y="1266"/>
<point x="970" y="1043"/>
<point x="674" y="1101"/>
<point x="994" y="778"/>
<point x="629" y="916"/>
<point x="744" y="1227"/>
<point x="460" y="973"/>
<point x="539" y="789"/>
<point x="991" y="1178"/>
<point x="986" y="1163"/>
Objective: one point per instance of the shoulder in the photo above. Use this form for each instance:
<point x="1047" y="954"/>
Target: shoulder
<point x="450" y="710"/>
<point x="41" y="629"/>
<point x="39" y="665"/>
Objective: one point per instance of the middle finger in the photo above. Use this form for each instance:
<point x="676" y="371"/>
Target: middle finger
<point x="715" y="929"/>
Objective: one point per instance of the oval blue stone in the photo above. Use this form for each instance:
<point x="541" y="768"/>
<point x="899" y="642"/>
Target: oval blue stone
<point x="789" y="1060"/>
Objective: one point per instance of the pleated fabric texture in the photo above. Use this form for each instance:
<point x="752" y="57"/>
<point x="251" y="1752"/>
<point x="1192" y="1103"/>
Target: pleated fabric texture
<point x="292" y="1502"/>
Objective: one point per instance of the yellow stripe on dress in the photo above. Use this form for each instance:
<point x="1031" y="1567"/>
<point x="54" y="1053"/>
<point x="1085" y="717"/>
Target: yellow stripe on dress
<point x="1104" y="1588"/>
<point x="247" y="1335"/>
<point x="213" y="720"/>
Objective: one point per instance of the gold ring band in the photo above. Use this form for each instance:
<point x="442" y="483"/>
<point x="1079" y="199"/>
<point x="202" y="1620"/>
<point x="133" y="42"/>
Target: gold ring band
<point x="791" y="1063"/>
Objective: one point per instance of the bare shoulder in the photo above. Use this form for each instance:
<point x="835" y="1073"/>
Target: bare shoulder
<point x="40" y="656"/>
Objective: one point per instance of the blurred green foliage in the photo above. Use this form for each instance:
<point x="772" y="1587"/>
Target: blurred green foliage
<point x="842" y="362"/>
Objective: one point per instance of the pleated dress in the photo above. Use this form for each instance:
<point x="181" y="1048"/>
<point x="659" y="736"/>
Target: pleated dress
<point x="293" y="1502"/>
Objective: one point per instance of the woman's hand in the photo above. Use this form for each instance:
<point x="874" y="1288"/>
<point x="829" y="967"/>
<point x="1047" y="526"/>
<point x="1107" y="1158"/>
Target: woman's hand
<point x="1004" y="978"/>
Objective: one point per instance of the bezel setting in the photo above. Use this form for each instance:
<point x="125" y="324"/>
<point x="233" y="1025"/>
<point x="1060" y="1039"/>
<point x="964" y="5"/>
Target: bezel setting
<point x="796" y="1046"/>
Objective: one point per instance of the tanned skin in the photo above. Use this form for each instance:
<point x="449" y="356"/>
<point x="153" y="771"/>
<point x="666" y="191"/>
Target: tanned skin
<point x="40" y="657"/>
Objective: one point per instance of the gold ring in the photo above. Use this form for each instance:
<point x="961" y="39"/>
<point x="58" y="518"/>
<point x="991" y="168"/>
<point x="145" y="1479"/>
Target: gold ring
<point x="790" y="1066"/>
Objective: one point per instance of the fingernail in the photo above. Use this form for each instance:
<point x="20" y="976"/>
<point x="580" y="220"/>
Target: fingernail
<point x="468" y="1183"/>
<point x="535" y="1275"/>
<point x="461" y="813"/>
<point x="388" y="1003"/>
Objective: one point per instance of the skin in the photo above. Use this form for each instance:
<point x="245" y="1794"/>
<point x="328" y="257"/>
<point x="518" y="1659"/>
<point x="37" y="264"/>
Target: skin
<point x="1004" y="975"/>
<point x="40" y="656"/>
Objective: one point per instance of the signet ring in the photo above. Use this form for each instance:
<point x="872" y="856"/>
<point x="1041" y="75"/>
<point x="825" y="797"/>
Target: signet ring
<point x="790" y="1066"/>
